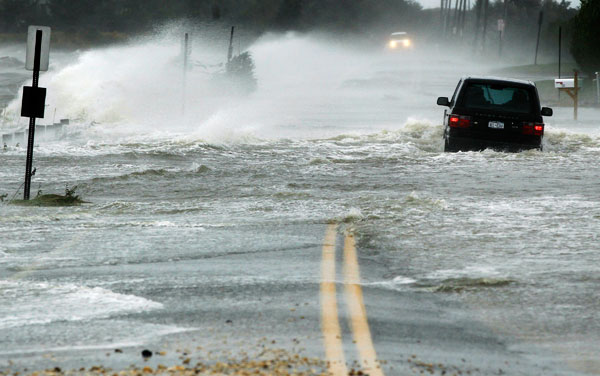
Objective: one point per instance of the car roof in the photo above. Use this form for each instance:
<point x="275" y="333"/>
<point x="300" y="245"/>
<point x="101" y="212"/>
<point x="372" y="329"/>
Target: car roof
<point x="498" y="80"/>
<point x="400" y="33"/>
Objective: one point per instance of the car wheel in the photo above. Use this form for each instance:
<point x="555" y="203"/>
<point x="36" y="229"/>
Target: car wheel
<point x="449" y="146"/>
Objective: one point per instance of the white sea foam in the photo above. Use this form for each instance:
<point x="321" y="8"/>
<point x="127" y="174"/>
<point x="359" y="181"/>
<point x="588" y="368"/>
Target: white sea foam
<point x="471" y="271"/>
<point x="401" y="280"/>
<point x="29" y="303"/>
<point x="133" y="94"/>
<point x="135" y="90"/>
<point x="108" y="334"/>
<point x="353" y="215"/>
<point x="398" y="283"/>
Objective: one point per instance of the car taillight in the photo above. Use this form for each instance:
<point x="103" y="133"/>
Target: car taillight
<point x="456" y="121"/>
<point x="538" y="129"/>
<point x="534" y="129"/>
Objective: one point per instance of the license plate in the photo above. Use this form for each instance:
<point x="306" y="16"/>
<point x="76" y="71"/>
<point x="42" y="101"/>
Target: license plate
<point x="496" y="125"/>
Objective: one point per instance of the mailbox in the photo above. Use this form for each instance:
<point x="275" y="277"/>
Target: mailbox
<point x="566" y="83"/>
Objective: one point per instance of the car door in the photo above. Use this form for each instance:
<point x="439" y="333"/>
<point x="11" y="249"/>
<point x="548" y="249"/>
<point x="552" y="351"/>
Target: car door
<point x="452" y="103"/>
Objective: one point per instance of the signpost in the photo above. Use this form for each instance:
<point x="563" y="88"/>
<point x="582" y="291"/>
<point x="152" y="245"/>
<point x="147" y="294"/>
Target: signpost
<point x="34" y="97"/>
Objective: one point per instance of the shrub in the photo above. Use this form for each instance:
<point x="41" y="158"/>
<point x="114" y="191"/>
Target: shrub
<point x="586" y="36"/>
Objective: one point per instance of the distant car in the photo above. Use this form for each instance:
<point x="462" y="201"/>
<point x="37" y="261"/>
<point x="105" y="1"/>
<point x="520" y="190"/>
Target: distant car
<point x="400" y="40"/>
<point x="498" y="113"/>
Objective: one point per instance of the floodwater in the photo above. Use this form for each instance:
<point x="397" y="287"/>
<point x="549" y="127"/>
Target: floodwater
<point x="330" y="134"/>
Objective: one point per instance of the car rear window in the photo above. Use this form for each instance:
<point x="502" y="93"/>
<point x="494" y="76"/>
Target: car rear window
<point x="497" y="97"/>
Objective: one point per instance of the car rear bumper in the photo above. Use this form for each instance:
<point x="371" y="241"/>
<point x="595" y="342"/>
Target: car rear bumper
<point x="462" y="143"/>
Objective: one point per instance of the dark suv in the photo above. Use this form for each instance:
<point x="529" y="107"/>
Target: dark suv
<point x="498" y="113"/>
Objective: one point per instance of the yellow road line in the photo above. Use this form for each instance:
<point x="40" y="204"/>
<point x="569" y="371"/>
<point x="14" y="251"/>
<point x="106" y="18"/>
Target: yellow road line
<point x="330" y="326"/>
<point x="358" y="313"/>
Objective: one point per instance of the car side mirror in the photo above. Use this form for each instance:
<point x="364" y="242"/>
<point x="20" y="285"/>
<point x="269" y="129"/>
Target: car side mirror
<point x="547" y="111"/>
<point x="443" y="101"/>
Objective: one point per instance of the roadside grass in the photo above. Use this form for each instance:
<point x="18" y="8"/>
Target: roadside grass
<point x="68" y="199"/>
<point x="538" y="70"/>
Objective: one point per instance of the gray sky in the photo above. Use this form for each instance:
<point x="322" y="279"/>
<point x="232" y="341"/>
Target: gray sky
<point x="436" y="3"/>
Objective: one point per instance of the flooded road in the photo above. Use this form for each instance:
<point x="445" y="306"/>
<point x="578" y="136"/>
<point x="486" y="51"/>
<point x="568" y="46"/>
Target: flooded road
<point x="207" y="229"/>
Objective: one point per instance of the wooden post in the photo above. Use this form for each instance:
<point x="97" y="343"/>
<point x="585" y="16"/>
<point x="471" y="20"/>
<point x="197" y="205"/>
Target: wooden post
<point x="574" y="94"/>
<point x="537" y="44"/>
<point x="576" y="97"/>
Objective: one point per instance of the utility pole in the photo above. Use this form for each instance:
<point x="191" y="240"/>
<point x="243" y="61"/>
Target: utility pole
<point x="442" y="3"/>
<point x="447" y="18"/>
<point x="537" y="44"/>
<point x="477" y="21"/>
<point x="455" y="18"/>
<point x="502" y="28"/>
<point x="499" y="40"/>
<point x="598" y="87"/>
<point x="576" y="97"/>
<point x="485" y="14"/>
<point x="559" y="54"/>
<point x="559" y="49"/>
<point x="230" y="51"/>
<point x="464" y="16"/>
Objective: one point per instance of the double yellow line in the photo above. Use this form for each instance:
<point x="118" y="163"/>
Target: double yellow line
<point x="330" y="326"/>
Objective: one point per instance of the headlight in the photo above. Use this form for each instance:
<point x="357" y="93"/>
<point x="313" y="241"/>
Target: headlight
<point x="406" y="42"/>
<point x="393" y="44"/>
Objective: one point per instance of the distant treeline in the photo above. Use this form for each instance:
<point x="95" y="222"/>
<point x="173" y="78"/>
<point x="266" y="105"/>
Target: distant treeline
<point x="586" y="36"/>
<point x="140" y="15"/>
<point x="521" y="19"/>
<point x="91" y="19"/>
<point x="349" y="15"/>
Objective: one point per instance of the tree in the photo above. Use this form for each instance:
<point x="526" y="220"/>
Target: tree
<point x="15" y="15"/>
<point x="586" y="36"/>
<point x="289" y="14"/>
